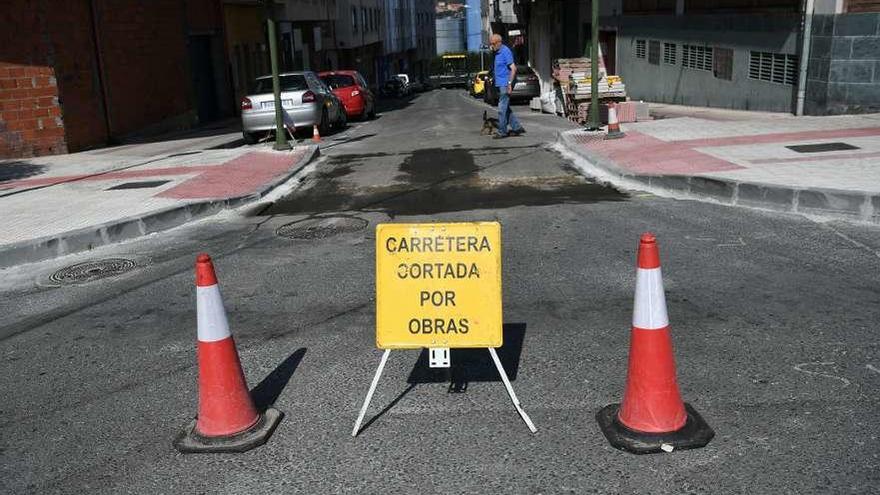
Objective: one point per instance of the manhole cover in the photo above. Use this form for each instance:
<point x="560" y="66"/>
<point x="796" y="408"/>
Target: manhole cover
<point x="92" y="270"/>
<point x="320" y="228"/>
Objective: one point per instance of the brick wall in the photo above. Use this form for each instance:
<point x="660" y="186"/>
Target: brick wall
<point x="844" y="71"/>
<point x="30" y="115"/>
<point x="66" y="85"/>
<point x="146" y="70"/>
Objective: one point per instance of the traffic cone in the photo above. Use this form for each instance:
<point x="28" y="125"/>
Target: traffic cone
<point x="227" y="421"/>
<point x="652" y="417"/>
<point x="316" y="136"/>
<point x="614" y="131"/>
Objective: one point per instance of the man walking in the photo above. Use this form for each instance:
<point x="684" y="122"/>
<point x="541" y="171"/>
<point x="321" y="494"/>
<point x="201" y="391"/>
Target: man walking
<point x="505" y="75"/>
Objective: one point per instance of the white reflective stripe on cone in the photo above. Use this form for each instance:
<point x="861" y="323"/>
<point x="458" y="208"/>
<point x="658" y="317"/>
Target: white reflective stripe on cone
<point x="649" y="308"/>
<point x="612" y="115"/>
<point x="212" y="322"/>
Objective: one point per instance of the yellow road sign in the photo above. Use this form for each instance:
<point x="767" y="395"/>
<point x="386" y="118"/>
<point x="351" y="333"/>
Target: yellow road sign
<point x="438" y="285"/>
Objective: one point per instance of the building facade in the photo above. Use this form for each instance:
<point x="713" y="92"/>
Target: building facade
<point x="739" y="54"/>
<point x="358" y="37"/>
<point x="451" y="34"/>
<point x="410" y="39"/>
<point x="96" y="72"/>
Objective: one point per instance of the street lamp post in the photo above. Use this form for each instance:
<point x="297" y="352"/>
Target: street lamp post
<point x="280" y="133"/>
<point x="594" y="68"/>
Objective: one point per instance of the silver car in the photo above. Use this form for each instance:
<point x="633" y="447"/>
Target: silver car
<point x="305" y="100"/>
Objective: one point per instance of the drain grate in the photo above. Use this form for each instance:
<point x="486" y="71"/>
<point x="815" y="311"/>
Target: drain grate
<point x="321" y="228"/>
<point x="821" y="147"/>
<point x="90" y="271"/>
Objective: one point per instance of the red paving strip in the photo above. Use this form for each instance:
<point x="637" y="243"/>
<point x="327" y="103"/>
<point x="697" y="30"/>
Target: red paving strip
<point x="839" y="156"/>
<point x="237" y="177"/>
<point x="99" y="176"/>
<point x="779" y="138"/>
<point x="641" y="153"/>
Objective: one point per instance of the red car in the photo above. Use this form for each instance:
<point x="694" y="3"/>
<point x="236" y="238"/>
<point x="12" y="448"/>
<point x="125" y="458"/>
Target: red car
<point x="350" y="87"/>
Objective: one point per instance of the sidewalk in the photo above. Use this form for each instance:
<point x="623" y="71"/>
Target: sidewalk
<point x="57" y="205"/>
<point x="826" y="166"/>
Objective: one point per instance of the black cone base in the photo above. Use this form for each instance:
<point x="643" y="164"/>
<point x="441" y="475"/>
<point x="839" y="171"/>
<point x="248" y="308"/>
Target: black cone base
<point x="694" y="434"/>
<point x="190" y="441"/>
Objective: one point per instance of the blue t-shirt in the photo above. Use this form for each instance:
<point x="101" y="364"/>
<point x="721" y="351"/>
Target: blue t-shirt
<point x="503" y="60"/>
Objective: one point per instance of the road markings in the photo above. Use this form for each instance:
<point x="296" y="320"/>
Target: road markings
<point x="799" y="367"/>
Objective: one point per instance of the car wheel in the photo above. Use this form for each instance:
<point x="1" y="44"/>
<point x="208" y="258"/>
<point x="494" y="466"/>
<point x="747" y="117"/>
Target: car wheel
<point x="249" y="137"/>
<point x="343" y="119"/>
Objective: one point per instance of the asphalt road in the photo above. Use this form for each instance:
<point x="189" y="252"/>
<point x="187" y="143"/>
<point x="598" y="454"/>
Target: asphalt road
<point x="774" y="319"/>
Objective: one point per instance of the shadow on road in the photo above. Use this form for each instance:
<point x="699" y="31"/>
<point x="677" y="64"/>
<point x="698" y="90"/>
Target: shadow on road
<point x="473" y="365"/>
<point x="267" y="391"/>
<point x="17" y="170"/>
<point x="468" y="365"/>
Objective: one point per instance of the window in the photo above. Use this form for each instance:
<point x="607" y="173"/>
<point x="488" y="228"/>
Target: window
<point x="669" y="52"/>
<point x="696" y="57"/>
<point x="654" y="52"/>
<point x="364" y="18"/>
<point x="723" y="63"/>
<point x="773" y="67"/>
<point x="354" y="19"/>
<point x="293" y="82"/>
<point x="640" y="48"/>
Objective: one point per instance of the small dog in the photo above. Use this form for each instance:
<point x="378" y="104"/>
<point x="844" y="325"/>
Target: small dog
<point x="490" y="124"/>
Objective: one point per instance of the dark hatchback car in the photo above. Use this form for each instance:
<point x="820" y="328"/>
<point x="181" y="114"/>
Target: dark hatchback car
<point x="525" y="87"/>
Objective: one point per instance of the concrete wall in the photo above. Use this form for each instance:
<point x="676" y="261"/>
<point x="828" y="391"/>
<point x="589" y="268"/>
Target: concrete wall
<point x="844" y="71"/>
<point x="680" y="85"/>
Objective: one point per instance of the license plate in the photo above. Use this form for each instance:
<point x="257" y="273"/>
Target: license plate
<point x="271" y="104"/>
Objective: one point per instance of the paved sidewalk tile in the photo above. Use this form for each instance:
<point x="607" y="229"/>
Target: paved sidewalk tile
<point x="756" y="151"/>
<point x="49" y="197"/>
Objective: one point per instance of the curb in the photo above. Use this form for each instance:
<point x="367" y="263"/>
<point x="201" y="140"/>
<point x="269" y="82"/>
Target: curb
<point x="89" y="238"/>
<point x="835" y="203"/>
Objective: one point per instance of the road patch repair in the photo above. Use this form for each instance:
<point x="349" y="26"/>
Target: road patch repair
<point x="819" y="166"/>
<point x="119" y="201"/>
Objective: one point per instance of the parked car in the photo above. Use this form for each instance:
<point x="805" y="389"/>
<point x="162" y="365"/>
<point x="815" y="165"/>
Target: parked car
<point x="525" y="87"/>
<point x="353" y="90"/>
<point x="305" y="100"/>
<point x="393" y="88"/>
<point x="478" y="83"/>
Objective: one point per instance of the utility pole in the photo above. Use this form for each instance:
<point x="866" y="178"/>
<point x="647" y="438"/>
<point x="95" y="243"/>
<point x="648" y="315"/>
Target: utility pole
<point x="280" y="131"/>
<point x="594" y="68"/>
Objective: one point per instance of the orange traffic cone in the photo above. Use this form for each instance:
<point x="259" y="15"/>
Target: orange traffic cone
<point x="227" y="421"/>
<point x="652" y="417"/>
<point x="614" y="131"/>
<point x="316" y="136"/>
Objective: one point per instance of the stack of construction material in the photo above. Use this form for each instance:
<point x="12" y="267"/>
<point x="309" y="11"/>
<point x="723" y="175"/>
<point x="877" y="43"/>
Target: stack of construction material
<point x="574" y="77"/>
<point x="609" y="87"/>
<point x="565" y="67"/>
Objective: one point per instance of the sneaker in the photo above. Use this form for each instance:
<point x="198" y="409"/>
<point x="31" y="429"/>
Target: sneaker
<point x="518" y="132"/>
<point x="499" y="136"/>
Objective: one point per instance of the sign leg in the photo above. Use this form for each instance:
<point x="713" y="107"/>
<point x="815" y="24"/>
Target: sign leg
<point x="360" y="419"/>
<point x="510" y="391"/>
